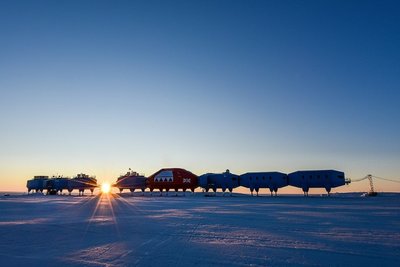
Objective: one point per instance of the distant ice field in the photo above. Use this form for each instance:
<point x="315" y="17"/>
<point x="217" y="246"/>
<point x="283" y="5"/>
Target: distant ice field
<point x="121" y="230"/>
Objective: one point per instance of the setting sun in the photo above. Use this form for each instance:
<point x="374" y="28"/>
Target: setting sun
<point x="105" y="188"/>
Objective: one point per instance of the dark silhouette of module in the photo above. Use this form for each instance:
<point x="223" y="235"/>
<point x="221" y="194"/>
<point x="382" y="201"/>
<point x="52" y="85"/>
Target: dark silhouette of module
<point x="327" y="179"/>
<point x="131" y="181"/>
<point x="214" y="181"/>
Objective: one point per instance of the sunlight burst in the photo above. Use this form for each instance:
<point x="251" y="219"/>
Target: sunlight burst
<point x="105" y="188"/>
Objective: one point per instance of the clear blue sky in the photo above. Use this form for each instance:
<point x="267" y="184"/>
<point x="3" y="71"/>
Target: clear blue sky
<point x="101" y="86"/>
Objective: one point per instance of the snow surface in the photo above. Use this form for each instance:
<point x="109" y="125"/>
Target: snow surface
<point x="341" y="230"/>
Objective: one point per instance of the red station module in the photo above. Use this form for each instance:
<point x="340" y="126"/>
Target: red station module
<point x="172" y="179"/>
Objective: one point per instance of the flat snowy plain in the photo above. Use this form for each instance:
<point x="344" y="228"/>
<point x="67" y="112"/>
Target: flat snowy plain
<point x="113" y="230"/>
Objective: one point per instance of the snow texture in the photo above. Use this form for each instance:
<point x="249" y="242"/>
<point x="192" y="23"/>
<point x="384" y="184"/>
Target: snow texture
<point x="120" y="230"/>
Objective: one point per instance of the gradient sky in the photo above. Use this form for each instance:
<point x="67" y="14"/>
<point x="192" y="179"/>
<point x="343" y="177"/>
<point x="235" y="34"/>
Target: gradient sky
<point x="103" y="86"/>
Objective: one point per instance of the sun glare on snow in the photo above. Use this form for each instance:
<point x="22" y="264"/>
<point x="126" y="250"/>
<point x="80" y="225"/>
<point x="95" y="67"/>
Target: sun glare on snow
<point x="105" y="188"/>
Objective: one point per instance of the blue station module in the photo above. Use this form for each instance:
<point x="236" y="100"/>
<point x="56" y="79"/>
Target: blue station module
<point x="37" y="184"/>
<point x="57" y="184"/>
<point x="327" y="179"/>
<point x="216" y="181"/>
<point x="257" y="180"/>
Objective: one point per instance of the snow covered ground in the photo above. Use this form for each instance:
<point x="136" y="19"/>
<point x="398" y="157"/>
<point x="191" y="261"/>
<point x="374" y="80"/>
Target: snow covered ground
<point x="340" y="230"/>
